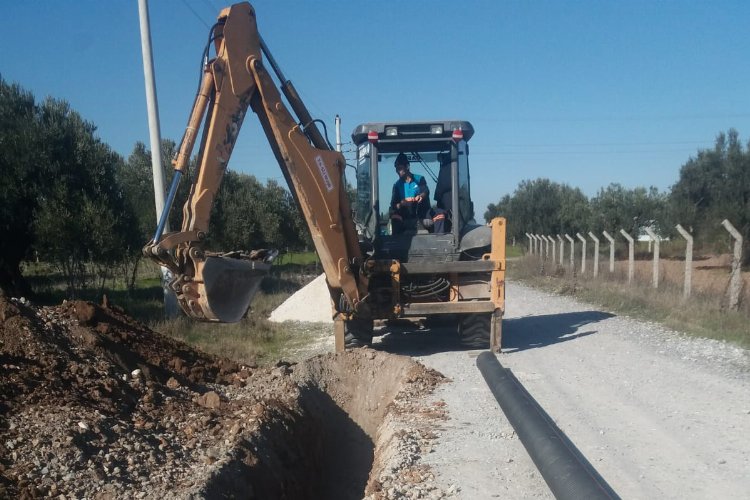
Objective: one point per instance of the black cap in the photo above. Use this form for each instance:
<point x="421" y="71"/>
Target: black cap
<point x="401" y="159"/>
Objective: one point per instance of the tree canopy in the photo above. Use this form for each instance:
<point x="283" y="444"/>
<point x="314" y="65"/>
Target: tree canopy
<point x="546" y="206"/>
<point x="712" y="186"/>
<point x="68" y="199"/>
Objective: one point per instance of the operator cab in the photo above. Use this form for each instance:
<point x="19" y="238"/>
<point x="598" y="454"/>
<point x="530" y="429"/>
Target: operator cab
<point x="438" y="151"/>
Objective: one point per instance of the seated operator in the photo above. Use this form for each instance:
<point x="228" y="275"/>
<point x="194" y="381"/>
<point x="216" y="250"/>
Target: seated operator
<point x="443" y="190"/>
<point x="410" y="200"/>
<point x="441" y="215"/>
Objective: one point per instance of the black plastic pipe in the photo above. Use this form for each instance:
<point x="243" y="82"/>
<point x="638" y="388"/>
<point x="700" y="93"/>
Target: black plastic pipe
<point x="567" y="472"/>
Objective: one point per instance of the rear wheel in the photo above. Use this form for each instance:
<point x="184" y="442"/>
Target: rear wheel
<point x="474" y="330"/>
<point x="358" y="333"/>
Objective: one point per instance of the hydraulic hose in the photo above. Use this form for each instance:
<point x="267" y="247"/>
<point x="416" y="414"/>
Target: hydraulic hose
<point x="567" y="472"/>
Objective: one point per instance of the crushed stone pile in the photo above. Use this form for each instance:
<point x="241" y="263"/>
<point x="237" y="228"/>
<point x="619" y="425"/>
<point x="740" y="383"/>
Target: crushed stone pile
<point x="311" y="303"/>
<point x="94" y="404"/>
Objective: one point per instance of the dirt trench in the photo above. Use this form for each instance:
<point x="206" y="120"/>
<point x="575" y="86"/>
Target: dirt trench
<point x="94" y="404"/>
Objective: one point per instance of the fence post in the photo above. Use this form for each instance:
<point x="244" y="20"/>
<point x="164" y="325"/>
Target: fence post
<point x="531" y="248"/>
<point x="735" y="279"/>
<point x="583" y="253"/>
<point x="688" y="261"/>
<point x="554" y="254"/>
<point x="543" y="245"/>
<point x="553" y="248"/>
<point x="562" y="249"/>
<point x="611" y="251"/>
<point x="572" y="251"/>
<point x="656" y="240"/>
<point x="538" y="245"/>
<point x="631" y="255"/>
<point x="596" y="253"/>
<point x="535" y="243"/>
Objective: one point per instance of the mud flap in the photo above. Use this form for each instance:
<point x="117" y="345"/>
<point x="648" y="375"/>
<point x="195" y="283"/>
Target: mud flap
<point x="230" y="285"/>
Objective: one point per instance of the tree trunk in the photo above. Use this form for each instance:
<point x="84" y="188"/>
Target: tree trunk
<point x="12" y="282"/>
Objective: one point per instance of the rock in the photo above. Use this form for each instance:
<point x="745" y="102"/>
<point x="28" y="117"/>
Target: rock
<point x="8" y="309"/>
<point x="172" y="383"/>
<point x="209" y="400"/>
<point x="85" y="312"/>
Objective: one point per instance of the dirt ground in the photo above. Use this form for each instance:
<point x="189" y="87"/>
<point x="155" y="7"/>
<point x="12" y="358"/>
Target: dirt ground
<point x="94" y="404"/>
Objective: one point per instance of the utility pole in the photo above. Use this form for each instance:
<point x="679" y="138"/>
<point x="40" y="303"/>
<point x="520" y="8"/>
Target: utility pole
<point x="338" y="133"/>
<point x="170" y="301"/>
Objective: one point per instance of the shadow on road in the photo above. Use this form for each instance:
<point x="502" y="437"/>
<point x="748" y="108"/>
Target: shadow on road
<point x="518" y="334"/>
<point x="415" y="341"/>
<point x="538" y="331"/>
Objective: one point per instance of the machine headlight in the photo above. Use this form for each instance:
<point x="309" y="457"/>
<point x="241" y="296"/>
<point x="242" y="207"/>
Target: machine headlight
<point x="391" y="131"/>
<point x="436" y="129"/>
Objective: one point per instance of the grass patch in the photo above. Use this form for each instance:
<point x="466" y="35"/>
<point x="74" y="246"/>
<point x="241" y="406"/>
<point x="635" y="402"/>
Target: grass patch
<point x="701" y="315"/>
<point x="514" y="251"/>
<point x="252" y="340"/>
<point x="300" y="258"/>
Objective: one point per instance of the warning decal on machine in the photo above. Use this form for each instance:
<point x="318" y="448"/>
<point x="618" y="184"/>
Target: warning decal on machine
<point x="324" y="173"/>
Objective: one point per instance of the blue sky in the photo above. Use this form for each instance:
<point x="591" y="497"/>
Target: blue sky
<point x="587" y="93"/>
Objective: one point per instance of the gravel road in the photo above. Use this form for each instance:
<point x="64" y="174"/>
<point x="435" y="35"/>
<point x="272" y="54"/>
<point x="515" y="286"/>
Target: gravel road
<point x="658" y="414"/>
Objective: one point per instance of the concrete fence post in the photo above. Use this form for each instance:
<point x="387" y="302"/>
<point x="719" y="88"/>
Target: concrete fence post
<point x="540" y="242"/>
<point x="596" y="253"/>
<point x="583" y="253"/>
<point x="631" y="255"/>
<point x="735" y="279"/>
<point x="688" y="261"/>
<point x="562" y="249"/>
<point x="554" y="254"/>
<point x="655" y="239"/>
<point x="539" y="252"/>
<point x="611" y="251"/>
<point x="572" y="251"/>
<point x="531" y="248"/>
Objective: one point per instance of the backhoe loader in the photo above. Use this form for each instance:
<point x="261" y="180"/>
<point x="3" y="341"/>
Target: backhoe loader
<point x="379" y="264"/>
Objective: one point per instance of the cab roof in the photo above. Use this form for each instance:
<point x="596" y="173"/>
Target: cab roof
<point x="412" y="131"/>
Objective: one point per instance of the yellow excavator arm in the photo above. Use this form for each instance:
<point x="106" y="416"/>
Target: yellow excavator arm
<point x="219" y="287"/>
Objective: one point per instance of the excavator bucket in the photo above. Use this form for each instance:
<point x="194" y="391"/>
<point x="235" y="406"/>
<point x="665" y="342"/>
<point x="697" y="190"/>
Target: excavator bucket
<point x="230" y="285"/>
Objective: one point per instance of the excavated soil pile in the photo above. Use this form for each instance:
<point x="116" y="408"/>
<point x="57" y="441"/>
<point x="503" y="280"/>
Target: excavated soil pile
<point x="96" y="405"/>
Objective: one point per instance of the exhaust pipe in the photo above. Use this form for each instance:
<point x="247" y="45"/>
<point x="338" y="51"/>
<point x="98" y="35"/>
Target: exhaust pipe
<point x="567" y="472"/>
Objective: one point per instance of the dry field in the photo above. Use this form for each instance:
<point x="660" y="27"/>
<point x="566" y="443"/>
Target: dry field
<point x="705" y="313"/>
